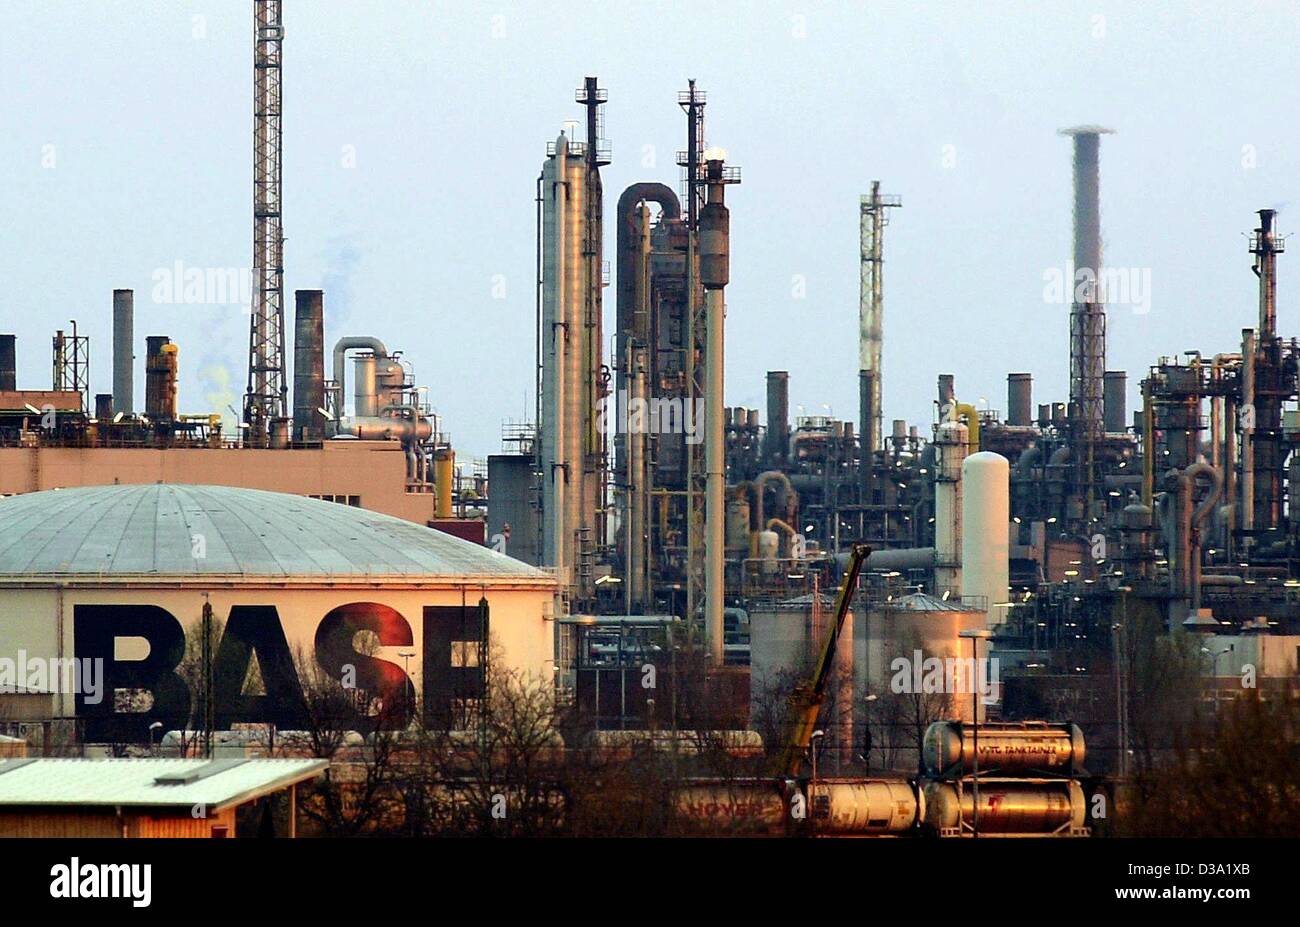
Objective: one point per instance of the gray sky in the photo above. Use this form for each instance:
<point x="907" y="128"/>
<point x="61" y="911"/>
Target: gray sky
<point x="125" y="146"/>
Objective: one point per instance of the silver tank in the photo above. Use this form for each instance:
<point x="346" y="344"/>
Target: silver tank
<point x="1007" y="748"/>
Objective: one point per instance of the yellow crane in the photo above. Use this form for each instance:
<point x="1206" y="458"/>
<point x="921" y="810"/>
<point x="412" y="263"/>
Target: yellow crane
<point x="807" y="698"/>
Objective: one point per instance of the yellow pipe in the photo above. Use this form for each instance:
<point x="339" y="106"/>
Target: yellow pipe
<point x="444" y="460"/>
<point x="972" y="424"/>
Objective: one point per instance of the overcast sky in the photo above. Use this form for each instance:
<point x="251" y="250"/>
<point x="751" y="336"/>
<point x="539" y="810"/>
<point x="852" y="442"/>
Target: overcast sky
<point x="414" y="133"/>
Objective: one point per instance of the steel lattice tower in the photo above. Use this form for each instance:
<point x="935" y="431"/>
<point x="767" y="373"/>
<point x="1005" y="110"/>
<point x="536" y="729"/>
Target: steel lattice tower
<point x="265" y="399"/>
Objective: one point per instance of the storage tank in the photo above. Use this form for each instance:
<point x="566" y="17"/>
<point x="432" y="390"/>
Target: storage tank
<point x="868" y="806"/>
<point x="1009" y="748"/>
<point x="1007" y="806"/>
<point x="985" y="539"/>
<point x="769" y="543"/>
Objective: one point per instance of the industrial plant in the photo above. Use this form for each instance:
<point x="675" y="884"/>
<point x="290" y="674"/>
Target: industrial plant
<point x="719" y="619"/>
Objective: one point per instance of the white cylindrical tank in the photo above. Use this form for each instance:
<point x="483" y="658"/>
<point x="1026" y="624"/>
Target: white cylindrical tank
<point x="769" y="544"/>
<point x="951" y="441"/>
<point x="985" y="542"/>
<point x="868" y="806"/>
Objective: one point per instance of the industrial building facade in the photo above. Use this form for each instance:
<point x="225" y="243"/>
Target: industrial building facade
<point x="296" y="587"/>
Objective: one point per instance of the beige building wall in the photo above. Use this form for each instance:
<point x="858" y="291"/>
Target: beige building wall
<point x="373" y="471"/>
<point x="39" y="621"/>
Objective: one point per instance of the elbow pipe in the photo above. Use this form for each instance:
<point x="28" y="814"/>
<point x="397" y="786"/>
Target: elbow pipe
<point x="340" y="361"/>
<point x="789" y="500"/>
<point x="1028" y="458"/>
<point x="625" y="218"/>
<point x="972" y="424"/>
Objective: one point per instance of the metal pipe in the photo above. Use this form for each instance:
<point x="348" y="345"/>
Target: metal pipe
<point x="1246" y="416"/>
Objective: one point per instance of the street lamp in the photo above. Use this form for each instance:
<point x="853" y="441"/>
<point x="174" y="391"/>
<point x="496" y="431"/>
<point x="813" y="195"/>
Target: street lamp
<point x="1214" y="657"/>
<point x="153" y="728"/>
<point x="975" y="635"/>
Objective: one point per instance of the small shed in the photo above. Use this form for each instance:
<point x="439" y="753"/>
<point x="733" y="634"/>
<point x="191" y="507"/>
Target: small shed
<point x="149" y="797"/>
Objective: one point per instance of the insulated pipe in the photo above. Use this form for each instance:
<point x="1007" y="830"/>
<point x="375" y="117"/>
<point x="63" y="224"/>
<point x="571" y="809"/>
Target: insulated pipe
<point x="556" y="472"/>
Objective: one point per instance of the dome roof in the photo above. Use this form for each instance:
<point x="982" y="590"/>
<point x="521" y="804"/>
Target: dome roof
<point x="166" y="529"/>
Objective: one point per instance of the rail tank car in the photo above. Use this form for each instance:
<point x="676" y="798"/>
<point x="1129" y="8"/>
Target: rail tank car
<point x="1025" y="748"/>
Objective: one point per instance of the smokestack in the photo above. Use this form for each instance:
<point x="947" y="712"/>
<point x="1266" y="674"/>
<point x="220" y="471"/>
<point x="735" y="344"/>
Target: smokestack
<point x="308" y="365"/>
<point x="1020" y="401"/>
<point x="1087" y="312"/>
<point x="123" y="350"/>
<point x="777" y="439"/>
<point x="8" y="363"/>
<point x="1115" y="396"/>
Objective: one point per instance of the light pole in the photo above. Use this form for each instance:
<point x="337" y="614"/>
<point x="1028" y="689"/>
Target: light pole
<point x="153" y="729"/>
<point x="976" y="635"/>
<point x="866" y="730"/>
<point x="812" y="783"/>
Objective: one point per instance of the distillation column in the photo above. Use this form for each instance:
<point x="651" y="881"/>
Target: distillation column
<point x="715" y="248"/>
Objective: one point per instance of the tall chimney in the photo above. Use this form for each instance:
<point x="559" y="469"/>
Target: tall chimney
<point x="8" y="363"/>
<point x="776" y="442"/>
<point x="1020" y="401"/>
<point x="123" y="350"/>
<point x="1087" y="311"/>
<point x="1115" y="396"/>
<point x="308" y="365"/>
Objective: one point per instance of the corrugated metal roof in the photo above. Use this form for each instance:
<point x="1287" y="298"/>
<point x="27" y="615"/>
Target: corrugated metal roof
<point x="163" y="528"/>
<point x="215" y="784"/>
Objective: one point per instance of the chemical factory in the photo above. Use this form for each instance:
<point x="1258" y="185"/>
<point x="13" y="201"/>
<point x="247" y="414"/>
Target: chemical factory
<point x="901" y="627"/>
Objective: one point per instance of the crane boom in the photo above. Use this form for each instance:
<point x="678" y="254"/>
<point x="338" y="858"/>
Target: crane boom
<point x="807" y="698"/>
